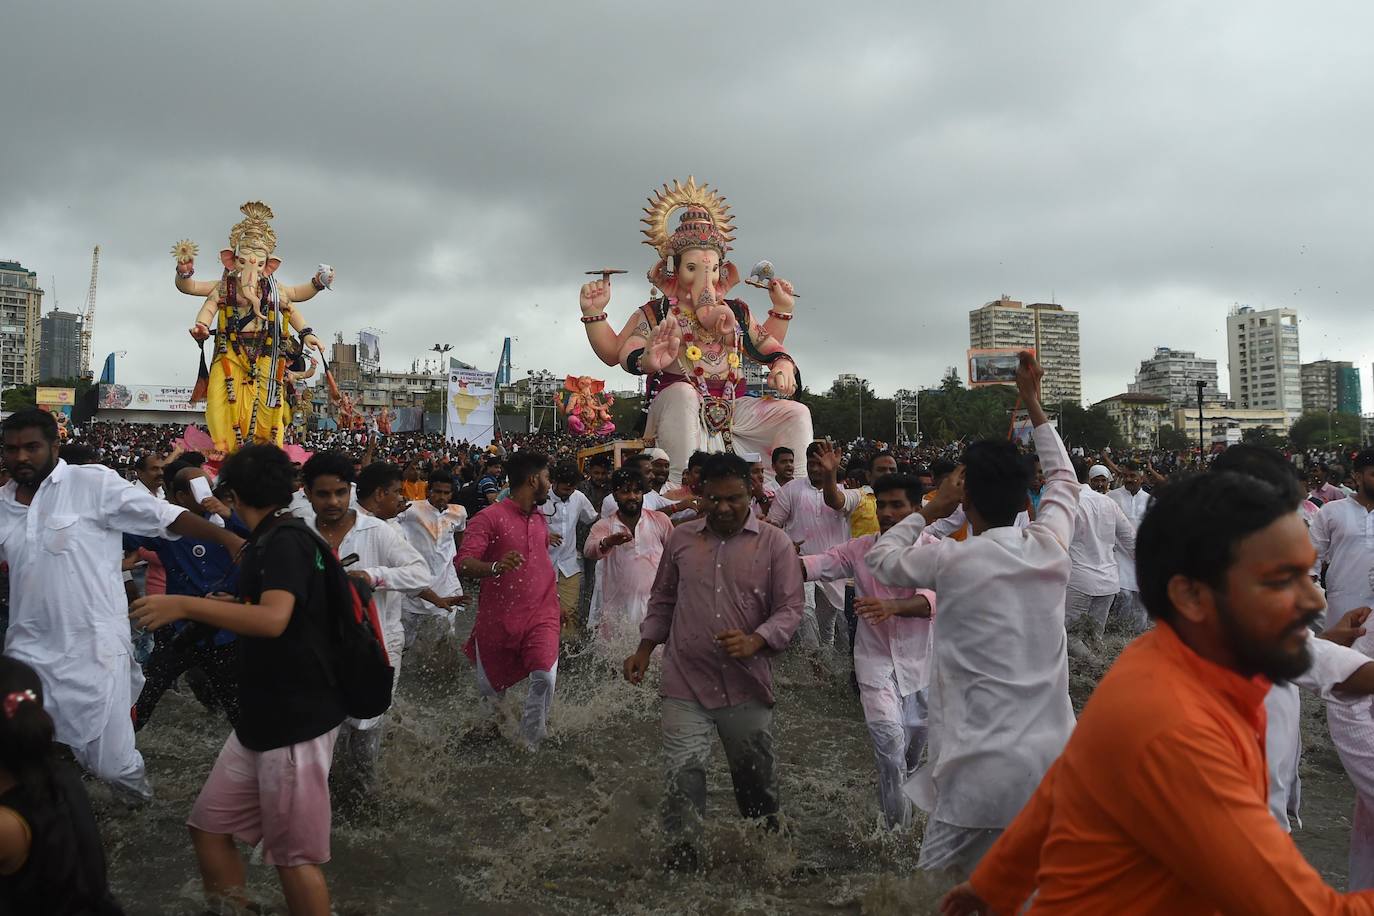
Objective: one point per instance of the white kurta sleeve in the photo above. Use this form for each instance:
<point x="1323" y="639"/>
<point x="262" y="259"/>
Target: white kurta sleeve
<point x="1320" y="532"/>
<point x="1059" y="497"/>
<point x="402" y="569"/>
<point x="1332" y="664"/>
<point x="944" y="527"/>
<point x="897" y="559"/>
<point x="133" y="510"/>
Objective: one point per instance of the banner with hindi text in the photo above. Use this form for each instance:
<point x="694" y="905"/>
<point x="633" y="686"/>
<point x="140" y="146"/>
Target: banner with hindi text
<point x="471" y="405"/>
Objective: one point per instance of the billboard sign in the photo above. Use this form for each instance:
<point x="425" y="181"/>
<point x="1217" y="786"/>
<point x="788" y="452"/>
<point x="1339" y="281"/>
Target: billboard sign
<point x="147" y="397"/>
<point x="471" y="405"/>
<point x="369" y="351"/>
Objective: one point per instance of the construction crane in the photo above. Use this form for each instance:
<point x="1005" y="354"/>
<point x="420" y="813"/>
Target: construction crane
<point x="88" y="317"/>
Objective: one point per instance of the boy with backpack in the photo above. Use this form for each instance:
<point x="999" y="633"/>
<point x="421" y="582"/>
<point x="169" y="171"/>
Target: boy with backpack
<point x="295" y="615"/>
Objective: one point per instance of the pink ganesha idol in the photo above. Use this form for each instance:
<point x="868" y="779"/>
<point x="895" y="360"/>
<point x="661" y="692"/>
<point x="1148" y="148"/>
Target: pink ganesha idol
<point x="692" y="343"/>
<point x="587" y="409"/>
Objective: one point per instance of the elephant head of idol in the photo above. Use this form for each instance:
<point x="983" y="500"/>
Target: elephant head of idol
<point x="249" y="258"/>
<point x="695" y="272"/>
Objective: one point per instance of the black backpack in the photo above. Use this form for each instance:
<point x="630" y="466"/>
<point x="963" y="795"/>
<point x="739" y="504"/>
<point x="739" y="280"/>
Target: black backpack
<point x="354" y="653"/>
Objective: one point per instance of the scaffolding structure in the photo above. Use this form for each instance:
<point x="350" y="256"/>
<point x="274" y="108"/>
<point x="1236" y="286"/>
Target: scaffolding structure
<point x="908" y="418"/>
<point x="544" y="387"/>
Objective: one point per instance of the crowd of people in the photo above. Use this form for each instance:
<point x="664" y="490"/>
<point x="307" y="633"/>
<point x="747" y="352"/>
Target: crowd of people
<point x="949" y="585"/>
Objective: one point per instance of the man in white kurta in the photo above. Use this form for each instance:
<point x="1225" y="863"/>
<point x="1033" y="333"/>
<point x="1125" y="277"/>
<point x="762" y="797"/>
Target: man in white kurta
<point x="801" y="510"/>
<point x="1100" y="530"/>
<point x="68" y="611"/>
<point x="566" y="508"/>
<point x="432" y="527"/>
<point x="1133" y="501"/>
<point x="394" y="569"/>
<point x="1351" y="720"/>
<point x="999" y="680"/>
<point x="627" y="546"/>
<point x="891" y="649"/>
<point x="1343" y="534"/>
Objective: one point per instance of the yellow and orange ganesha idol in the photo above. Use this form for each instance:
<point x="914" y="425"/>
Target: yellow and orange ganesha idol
<point x="261" y="341"/>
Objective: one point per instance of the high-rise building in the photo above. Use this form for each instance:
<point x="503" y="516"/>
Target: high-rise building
<point x="59" y="353"/>
<point x="1174" y="374"/>
<point x="1050" y="329"/>
<point x="1329" y="385"/>
<point x="1263" y="361"/>
<point x="21" y="302"/>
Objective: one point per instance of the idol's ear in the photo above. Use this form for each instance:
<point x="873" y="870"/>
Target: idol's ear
<point x="271" y="265"/>
<point x="666" y="281"/>
<point x="226" y="257"/>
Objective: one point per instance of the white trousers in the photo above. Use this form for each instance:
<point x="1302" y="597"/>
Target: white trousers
<point x="534" y="720"/>
<point x="897" y="725"/>
<point x="112" y="755"/>
<point x="1362" y="845"/>
<point x="759" y="426"/>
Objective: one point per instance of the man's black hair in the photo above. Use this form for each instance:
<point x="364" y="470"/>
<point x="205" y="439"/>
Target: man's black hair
<point x="995" y="481"/>
<point x="724" y="466"/>
<point x="857" y="472"/>
<point x="377" y="476"/>
<point x="600" y="461"/>
<point x="524" y="465"/>
<point x="905" y="482"/>
<point x="1262" y="463"/>
<point x="624" y="477"/>
<point x="194" y="459"/>
<point x="493" y="459"/>
<point x="260" y="476"/>
<point x="940" y="468"/>
<point x="141" y="462"/>
<point x="1193" y="527"/>
<point x="76" y="453"/>
<point x="440" y="475"/>
<point x="169" y="476"/>
<point x="873" y="460"/>
<point x="638" y="456"/>
<point x="698" y="459"/>
<point x="322" y="464"/>
<point x="31" y="418"/>
<point x="813" y="450"/>
<point x="566" y="472"/>
<point x="780" y="451"/>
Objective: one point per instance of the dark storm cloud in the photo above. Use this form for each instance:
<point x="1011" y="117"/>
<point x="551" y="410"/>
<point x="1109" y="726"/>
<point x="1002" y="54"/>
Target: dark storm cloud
<point x="460" y="167"/>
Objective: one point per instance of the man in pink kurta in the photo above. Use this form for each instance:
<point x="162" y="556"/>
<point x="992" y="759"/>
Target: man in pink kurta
<point x="891" y="647"/>
<point x="629" y="545"/>
<point x="518" y="618"/>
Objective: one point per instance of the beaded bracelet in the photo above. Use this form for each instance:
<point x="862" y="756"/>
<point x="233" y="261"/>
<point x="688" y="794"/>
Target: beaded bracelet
<point x="593" y="319"/>
<point x="779" y="315"/>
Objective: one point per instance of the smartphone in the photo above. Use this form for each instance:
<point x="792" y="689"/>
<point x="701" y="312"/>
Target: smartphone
<point x="200" y="489"/>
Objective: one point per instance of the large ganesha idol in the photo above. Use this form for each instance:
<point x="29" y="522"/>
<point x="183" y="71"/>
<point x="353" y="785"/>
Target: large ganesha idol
<point x="692" y="342"/>
<point x="261" y="338"/>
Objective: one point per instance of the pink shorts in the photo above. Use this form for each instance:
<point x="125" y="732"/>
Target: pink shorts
<point x="280" y="797"/>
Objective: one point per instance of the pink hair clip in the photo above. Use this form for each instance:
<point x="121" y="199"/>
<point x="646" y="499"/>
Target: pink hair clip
<point x="12" y="701"/>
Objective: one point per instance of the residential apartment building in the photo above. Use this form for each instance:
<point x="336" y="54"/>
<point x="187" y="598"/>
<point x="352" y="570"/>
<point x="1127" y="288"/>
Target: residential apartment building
<point x="1174" y="374"/>
<point x="1048" y="328"/>
<point x="21" y="302"/>
<point x="1331" y="386"/>
<point x="1139" y="417"/>
<point x="1265" y="369"/>
<point x="59" y="350"/>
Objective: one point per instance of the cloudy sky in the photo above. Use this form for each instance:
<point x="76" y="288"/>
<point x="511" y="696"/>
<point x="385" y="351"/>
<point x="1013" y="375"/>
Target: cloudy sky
<point x="461" y="165"/>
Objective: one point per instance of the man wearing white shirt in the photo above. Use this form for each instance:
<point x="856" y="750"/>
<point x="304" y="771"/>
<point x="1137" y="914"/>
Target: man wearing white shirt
<point x="1133" y="501"/>
<point x="60" y="532"/>
<point x="814" y="511"/>
<point x="652" y="498"/>
<point x="627" y="547"/>
<point x="376" y="552"/>
<point x="1100" y="528"/>
<point x="1343" y="534"/>
<point x="434" y="527"/>
<point x="148" y="473"/>
<point x="566" y="508"/>
<point x="999" y="677"/>
<point x="891" y="646"/>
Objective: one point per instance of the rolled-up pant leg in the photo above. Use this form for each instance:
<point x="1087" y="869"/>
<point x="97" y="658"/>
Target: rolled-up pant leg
<point x="534" y="720"/>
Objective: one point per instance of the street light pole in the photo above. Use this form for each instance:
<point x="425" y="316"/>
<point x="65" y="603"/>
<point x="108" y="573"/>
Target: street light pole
<point x="1201" y="436"/>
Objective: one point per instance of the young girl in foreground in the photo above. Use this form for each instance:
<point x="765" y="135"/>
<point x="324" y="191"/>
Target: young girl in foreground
<point x="51" y="860"/>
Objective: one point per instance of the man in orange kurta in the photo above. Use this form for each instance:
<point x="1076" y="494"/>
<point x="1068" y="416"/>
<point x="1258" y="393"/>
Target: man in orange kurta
<point x="1158" y="804"/>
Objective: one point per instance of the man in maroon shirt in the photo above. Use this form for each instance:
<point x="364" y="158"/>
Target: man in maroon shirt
<point x="727" y="597"/>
